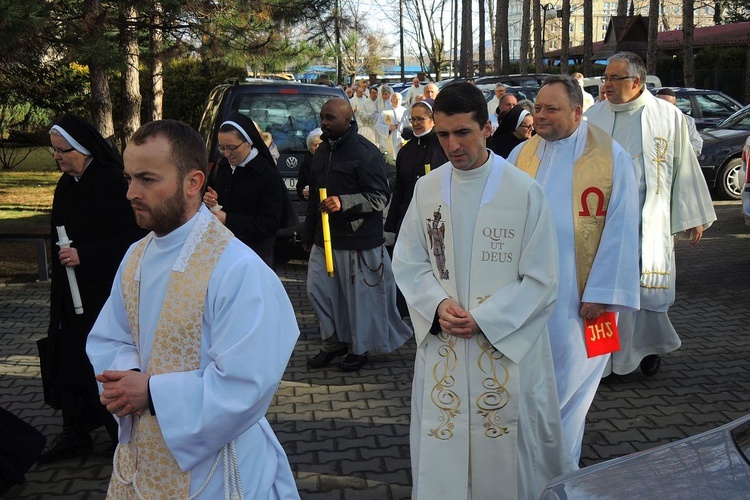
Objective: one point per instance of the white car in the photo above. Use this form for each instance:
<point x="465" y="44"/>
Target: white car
<point x="745" y="175"/>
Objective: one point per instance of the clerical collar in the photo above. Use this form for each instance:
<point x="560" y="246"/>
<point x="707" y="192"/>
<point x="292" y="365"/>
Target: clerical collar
<point x="176" y="236"/>
<point x="253" y="154"/>
<point x="423" y="133"/>
<point x="476" y="173"/>
<point x="636" y="103"/>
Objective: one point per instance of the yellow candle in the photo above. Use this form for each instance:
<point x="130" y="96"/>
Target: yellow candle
<point x="326" y="234"/>
<point x="426" y="168"/>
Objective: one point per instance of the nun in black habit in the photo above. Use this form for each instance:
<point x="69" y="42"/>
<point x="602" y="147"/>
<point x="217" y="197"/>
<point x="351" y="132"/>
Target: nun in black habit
<point x="90" y="202"/>
<point x="245" y="190"/>
<point x="515" y="128"/>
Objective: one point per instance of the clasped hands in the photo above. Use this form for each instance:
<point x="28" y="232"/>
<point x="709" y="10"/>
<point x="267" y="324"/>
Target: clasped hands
<point x="456" y="321"/>
<point x="124" y="392"/>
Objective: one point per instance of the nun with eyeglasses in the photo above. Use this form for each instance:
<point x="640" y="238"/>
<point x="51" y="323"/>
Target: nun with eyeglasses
<point x="245" y="190"/>
<point x="90" y="202"/>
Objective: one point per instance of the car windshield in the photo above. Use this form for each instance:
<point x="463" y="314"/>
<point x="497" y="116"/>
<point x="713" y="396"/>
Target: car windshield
<point x="287" y="117"/>
<point x="742" y="438"/>
<point x="715" y="105"/>
<point x="740" y="120"/>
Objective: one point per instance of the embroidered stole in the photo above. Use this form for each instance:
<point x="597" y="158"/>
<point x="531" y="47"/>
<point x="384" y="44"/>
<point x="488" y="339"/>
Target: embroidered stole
<point x="145" y="466"/>
<point x="469" y="415"/>
<point x="592" y="188"/>
<point x="658" y="171"/>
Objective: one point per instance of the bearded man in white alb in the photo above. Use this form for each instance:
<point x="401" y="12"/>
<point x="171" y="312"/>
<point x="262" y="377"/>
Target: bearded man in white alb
<point x="191" y="345"/>
<point x="589" y="181"/>
<point x="476" y="260"/>
<point x="674" y="200"/>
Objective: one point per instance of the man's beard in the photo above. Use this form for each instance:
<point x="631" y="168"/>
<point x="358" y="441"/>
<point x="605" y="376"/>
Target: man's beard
<point x="166" y="216"/>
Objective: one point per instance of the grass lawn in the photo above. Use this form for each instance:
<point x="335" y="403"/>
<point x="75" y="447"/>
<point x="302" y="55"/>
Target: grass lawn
<point x="25" y="202"/>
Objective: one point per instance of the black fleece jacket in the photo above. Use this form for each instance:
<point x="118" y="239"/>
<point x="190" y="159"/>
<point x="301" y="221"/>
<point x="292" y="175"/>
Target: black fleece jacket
<point x="353" y="169"/>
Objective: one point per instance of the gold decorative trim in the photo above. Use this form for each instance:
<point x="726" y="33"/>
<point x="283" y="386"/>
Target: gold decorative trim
<point x="442" y="395"/>
<point x="496" y="396"/>
<point x="662" y="146"/>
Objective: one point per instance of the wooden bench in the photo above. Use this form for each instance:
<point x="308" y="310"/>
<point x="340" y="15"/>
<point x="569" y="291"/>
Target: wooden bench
<point x="39" y="240"/>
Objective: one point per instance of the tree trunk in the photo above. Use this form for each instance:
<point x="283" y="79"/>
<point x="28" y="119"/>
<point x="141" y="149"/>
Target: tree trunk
<point x="688" y="30"/>
<point x="131" y="87"/>
<point x="565" y="39"/>
<point x="538" y="49"/>
<point x="493" y="30"/>
<point x="622" y="7"/>
<point x="588" y="37"/>
<point x="504" y="37"/>
<point x="747" y="73"/>
<point x="481" y="47"/>
<point x="523" y="60"/>
<point x="467" y="40"/>
<point x="653" y="34"/>
<point x="156" y="65"/>
<point x="497" y="40"/>
<point x="101" y="101"/>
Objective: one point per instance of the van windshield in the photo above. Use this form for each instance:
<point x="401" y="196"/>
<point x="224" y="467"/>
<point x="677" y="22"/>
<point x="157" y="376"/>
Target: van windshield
<point x="287" y="117"/>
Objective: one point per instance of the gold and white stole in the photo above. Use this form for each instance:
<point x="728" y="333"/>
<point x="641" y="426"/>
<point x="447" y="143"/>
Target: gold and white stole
<point x="592" y="188"/>
<point x="471" y="390"/>
<point x="144" y="466"/>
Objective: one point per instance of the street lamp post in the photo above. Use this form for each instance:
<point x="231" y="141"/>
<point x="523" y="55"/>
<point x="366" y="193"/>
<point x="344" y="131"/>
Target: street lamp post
<point x="548" y="12"/>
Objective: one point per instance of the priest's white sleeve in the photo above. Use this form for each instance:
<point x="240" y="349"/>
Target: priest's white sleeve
<point x="249" y="332"/>
<point x="614" y="279"/>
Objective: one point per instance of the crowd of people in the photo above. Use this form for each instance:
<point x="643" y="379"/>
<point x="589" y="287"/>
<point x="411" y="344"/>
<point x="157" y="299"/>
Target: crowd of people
<point x="509" y="230"/>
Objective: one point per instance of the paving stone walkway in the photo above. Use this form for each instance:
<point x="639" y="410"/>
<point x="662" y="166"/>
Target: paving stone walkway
<point x="347" y="435"/>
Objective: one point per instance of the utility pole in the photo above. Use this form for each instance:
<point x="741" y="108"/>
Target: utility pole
<point x="338" y="42"/>
<point x="401" y="35"/>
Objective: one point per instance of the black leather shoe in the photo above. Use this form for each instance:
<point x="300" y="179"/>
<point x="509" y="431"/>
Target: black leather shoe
<point x="650" y="365"/>
<point x="353" y="362"/>
<point x="324" y="358"/>
<point x="69" y="444"/>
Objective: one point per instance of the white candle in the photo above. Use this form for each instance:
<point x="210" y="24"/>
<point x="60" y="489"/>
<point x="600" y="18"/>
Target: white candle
<point x="64" y="242"/>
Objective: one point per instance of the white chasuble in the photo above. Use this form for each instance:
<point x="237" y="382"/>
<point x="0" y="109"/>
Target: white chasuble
<point x="478" y="404"/>
<point x="143" y="463"/>
<point x="673" y="193"/>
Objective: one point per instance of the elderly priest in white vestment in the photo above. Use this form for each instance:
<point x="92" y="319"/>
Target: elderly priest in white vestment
<point x="192" y="342"/>
<point x="589" y="181"/>
<point x="476" y="259"/>
<point x="674" y="201"/>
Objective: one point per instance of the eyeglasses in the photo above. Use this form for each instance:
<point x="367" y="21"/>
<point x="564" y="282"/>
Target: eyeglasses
<point x="615" y="78"/>
<point x="418" y="119"/>
<point x="230" y="149"/>
<point x="526" y="126"/>
<point x="57" y="151"/>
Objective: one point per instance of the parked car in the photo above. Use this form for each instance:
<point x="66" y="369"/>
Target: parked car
<point x="710" y="465"/>
<point x="592" y="84"/>
<point x="707" y="107"/>
<point x="530" y="80"/>
<point x="745" y="176"/>
<point x="521" y="92"/>
<point x="721" y="157"/>
<point x="287" y="110"/>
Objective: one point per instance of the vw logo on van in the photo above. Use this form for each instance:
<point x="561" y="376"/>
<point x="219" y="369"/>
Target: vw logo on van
<point x="291" y="162"/>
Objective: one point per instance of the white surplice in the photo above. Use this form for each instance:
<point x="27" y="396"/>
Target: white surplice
<point x="485" y="419"/>
<point x="673" y="198"/>
<point x="613" y="280"/>
<point x="366" y="114"/>
<point x="390" y="140"/>
<point x="249" y="331"/>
